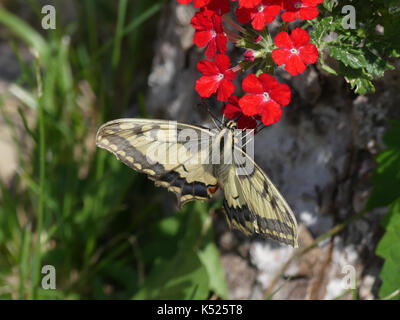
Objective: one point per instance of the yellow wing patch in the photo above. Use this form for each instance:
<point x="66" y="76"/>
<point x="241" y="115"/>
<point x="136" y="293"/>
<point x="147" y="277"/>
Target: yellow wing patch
<point x="253" y="205"/>
<point x="137" y="143"/>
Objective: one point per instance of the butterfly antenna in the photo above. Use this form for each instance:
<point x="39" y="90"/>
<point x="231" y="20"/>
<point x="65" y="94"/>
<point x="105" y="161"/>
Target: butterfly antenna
<point x="262" y="127"/>
<point x="213" y="117"/>
<point x="252" y="139"/>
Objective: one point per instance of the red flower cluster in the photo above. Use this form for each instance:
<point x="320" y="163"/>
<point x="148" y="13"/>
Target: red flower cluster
<point x="264" y="96"/>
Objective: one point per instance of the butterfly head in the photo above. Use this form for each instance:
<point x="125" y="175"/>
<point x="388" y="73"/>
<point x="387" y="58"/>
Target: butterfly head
<point x="230" y="124"/>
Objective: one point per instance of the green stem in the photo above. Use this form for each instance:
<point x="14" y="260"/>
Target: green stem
<point x="37" y="257"/>
<point x="119" y="33"/>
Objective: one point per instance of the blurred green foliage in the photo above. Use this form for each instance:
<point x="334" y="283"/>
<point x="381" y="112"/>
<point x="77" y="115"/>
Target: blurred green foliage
<point x="386" y="192"/>
<point x="100" y="224"/>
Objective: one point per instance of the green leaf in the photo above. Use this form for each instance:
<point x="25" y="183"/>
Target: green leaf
<point x="386" y="179"/>
<point x="184" y="277"/>
<point x="320" y="29"/>
<point x="375" y="64"/>
<point x="359" y="81"/>
<point x="210" y="258"/>
<point x="389" y="249"/>
<point x="328" y="4"/>
<point x="350" y="57"/>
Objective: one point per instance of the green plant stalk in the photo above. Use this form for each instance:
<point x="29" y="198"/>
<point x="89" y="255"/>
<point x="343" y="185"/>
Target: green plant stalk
<point x="42" y="168"/>
<point x="119" y="33"/>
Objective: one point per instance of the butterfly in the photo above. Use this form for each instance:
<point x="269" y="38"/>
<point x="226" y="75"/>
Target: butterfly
<point x="193" y="162"/>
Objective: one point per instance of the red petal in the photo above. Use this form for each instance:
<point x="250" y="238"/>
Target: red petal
<point x="281" y="94"/>
<point x="289" y="16"/>
<point x="219" y="6"/>
<point x="229" y="75"/>
<point x="295" y="65"/>
<point x="221" y="41"/>
<point x="222" y="62"/>
<point x="272" y="113"/>
<point x="308" y="13"/>
<point x="280" y="56"/>
<point x="184" y="1"/>
<point x="251" y="84"/>
<point x="312" y="3"/>
<point x="268" y="82"/>
<point x="231" y="111"/>
<point x="243" y="15"/>
<point x="309" y="53"/>
<point x="200" y="3"/>
<point x="207" y="68"/>
<point x="202" y="21"/>
<point x="245" y="122"/>
<point x="259" y="21"/>
<point x="299" y="37"/>
<point x="201" y="38"/>
<point x="225" y="90"/>
<point x="217" y="23"/>
<point x="289" y="4"/>
<point x="234" y="100"/>
<point x="270" y="12"/>
<point x="206" y="86"/>
<point x="250" y="104"/>
<point x="283" y="40"/>
<point x="211" y="49"/>
<point x="249" y="3"/>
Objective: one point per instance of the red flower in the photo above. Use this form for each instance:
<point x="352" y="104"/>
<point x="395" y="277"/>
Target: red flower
<point x="301" y="9"/>
<point x="295" y="51"/>
<point x="209" y="32"/>
<point x="218" y="6"/>
<point x="265" y="12"/>
<point x="265" y="97"/>
<point x="232" y="110"/>
<point x="217" y="78"/>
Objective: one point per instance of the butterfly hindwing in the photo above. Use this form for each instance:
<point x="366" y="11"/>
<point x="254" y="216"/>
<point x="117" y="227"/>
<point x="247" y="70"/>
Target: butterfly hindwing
<point x="141" y="143"/>
<point x="254" y="205"/>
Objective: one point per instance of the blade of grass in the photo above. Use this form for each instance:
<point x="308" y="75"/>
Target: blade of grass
<point x="42" y="150"/>
<point x="25" y="123"/>
<point x="24" y="32"/>
<point x="91" y="24"/>
<point x="119" y="32"/>
<point x="135" y="23"/>
<point x="23" y="261"/>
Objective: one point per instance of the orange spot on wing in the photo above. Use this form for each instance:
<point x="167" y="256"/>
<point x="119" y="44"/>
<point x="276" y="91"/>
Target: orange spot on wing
<point x="213" y="189"/>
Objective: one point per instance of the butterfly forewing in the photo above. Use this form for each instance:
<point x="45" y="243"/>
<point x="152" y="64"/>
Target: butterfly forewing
<point x="152" y="147"/>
